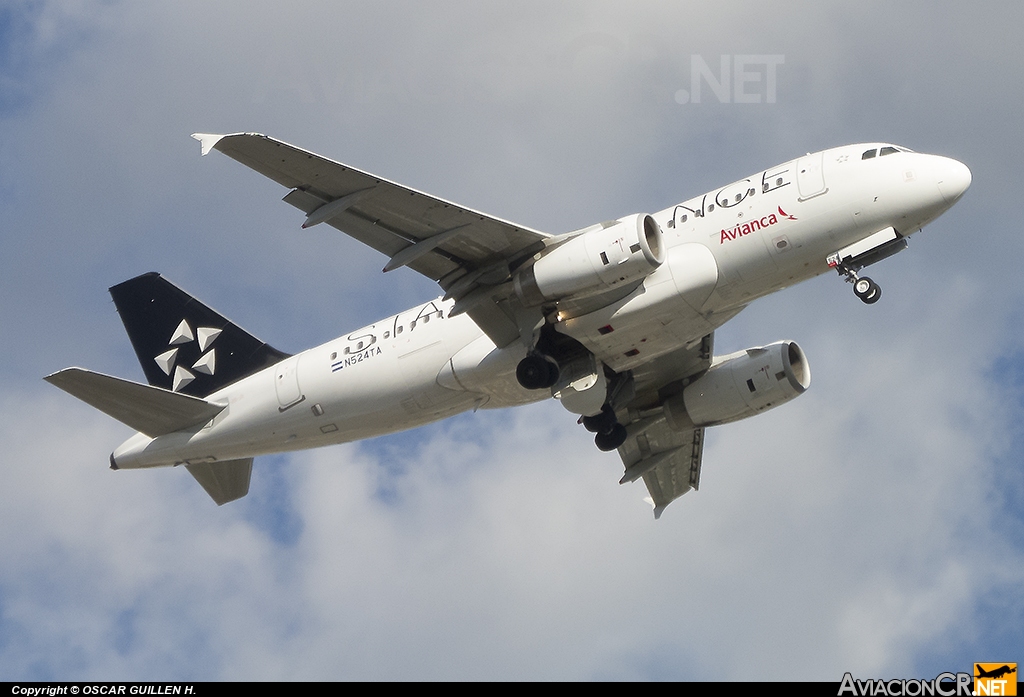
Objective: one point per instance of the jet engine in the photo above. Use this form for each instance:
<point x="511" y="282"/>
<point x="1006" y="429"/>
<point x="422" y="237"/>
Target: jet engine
<point x="615" y="254"/>
<point x="740" y="385"/>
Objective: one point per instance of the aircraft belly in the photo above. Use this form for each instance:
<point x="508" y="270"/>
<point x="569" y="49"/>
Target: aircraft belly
<point x="489" y="374"/>
<point x="654" y="320"/>
<point x="325" y="419"/>
<point x="325" y="401"/>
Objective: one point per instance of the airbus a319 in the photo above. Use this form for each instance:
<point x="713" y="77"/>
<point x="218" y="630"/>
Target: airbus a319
<point x="615" y="320"/>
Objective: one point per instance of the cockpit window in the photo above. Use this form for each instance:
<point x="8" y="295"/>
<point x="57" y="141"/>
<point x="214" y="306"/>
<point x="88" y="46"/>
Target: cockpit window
<point x="869" y="154"/>
<point x="888" y="150"/>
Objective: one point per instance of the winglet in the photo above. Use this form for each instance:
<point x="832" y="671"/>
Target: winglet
<point x="207" y="140"/>
<point x="658" y="509"/>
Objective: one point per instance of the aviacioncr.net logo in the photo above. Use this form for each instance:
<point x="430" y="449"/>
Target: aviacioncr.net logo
<point x="944" y="685"/>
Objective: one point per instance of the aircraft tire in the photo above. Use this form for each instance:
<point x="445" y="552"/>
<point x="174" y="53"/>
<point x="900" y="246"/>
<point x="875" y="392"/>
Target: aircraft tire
<point x="535" y="372"/>
<point x="875" y="295"/>
<point x="862" y="287"/>
<point x="611" y="440"/>
<point x="600" y="423"/>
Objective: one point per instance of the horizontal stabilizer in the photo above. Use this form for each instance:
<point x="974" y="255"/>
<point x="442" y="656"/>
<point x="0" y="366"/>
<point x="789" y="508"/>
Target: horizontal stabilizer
<point x="150" y="410"/>
<point x="224" y="481"/>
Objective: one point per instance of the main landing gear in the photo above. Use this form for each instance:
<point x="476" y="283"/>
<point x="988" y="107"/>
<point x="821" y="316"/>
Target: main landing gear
<point x="610" y="434"/>
<point x="539" y="371"/>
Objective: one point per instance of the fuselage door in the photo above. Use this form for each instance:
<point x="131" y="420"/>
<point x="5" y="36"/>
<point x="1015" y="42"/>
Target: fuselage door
<point x="810" y="176"/>
<point x="286" y="381"/>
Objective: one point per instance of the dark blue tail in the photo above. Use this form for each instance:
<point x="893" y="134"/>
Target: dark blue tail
<point x="182" y="344"/>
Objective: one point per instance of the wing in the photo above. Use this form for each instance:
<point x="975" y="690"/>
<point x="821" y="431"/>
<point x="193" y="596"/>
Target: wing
<point x="667" y="459"/>
<point x="470" y="254"/>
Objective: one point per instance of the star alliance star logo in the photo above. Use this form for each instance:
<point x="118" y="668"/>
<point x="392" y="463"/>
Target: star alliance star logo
<point x="207" y="363"/>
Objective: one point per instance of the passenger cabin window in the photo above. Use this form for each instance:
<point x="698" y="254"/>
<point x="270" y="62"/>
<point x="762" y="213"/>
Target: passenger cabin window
<point x="888" y="150"/>
<point x="869" y="154"/>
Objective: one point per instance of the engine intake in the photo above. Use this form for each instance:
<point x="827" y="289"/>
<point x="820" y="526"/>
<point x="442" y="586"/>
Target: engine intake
<point x="617" y="253"/>
<point x="741" y="385"/>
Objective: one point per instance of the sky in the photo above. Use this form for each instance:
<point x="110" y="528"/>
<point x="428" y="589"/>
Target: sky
<point x="873" y="526"/>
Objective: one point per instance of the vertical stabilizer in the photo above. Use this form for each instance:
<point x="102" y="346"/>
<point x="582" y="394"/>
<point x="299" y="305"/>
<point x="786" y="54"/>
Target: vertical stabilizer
<point x="182" y="344"/>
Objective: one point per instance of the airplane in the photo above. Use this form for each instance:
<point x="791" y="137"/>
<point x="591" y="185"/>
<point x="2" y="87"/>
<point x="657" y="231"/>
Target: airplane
<point x="995" y="673"/>
<point x="615" y="320"/>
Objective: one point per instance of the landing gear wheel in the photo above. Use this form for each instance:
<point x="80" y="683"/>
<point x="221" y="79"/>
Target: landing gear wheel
<point x="600" y="423"/>
<point x="862" y="287"/>
<point x="867" y="290"/>
<point x="611" y="439"/>
<point x="536" y="372"/>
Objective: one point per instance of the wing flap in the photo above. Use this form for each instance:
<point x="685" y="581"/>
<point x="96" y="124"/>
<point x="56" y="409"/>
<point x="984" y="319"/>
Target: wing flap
<point x="150" y="410"/>
<point x="676" y="473"/>
<point x="667" y="459"/>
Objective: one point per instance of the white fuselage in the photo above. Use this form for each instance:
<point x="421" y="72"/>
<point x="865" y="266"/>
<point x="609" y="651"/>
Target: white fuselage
<point x="724" y="249"/>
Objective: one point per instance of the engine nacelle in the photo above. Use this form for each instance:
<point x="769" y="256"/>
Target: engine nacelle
<point x="740" y="385"/>
<point x="614" y="255"/>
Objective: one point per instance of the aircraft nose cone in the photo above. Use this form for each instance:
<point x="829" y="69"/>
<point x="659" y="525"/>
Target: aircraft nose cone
<point x="954" y="180"/>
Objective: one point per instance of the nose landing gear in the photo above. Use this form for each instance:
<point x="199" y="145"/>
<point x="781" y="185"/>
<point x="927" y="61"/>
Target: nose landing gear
<point x="863" y="287"/>
<point x="870" y="250"/>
